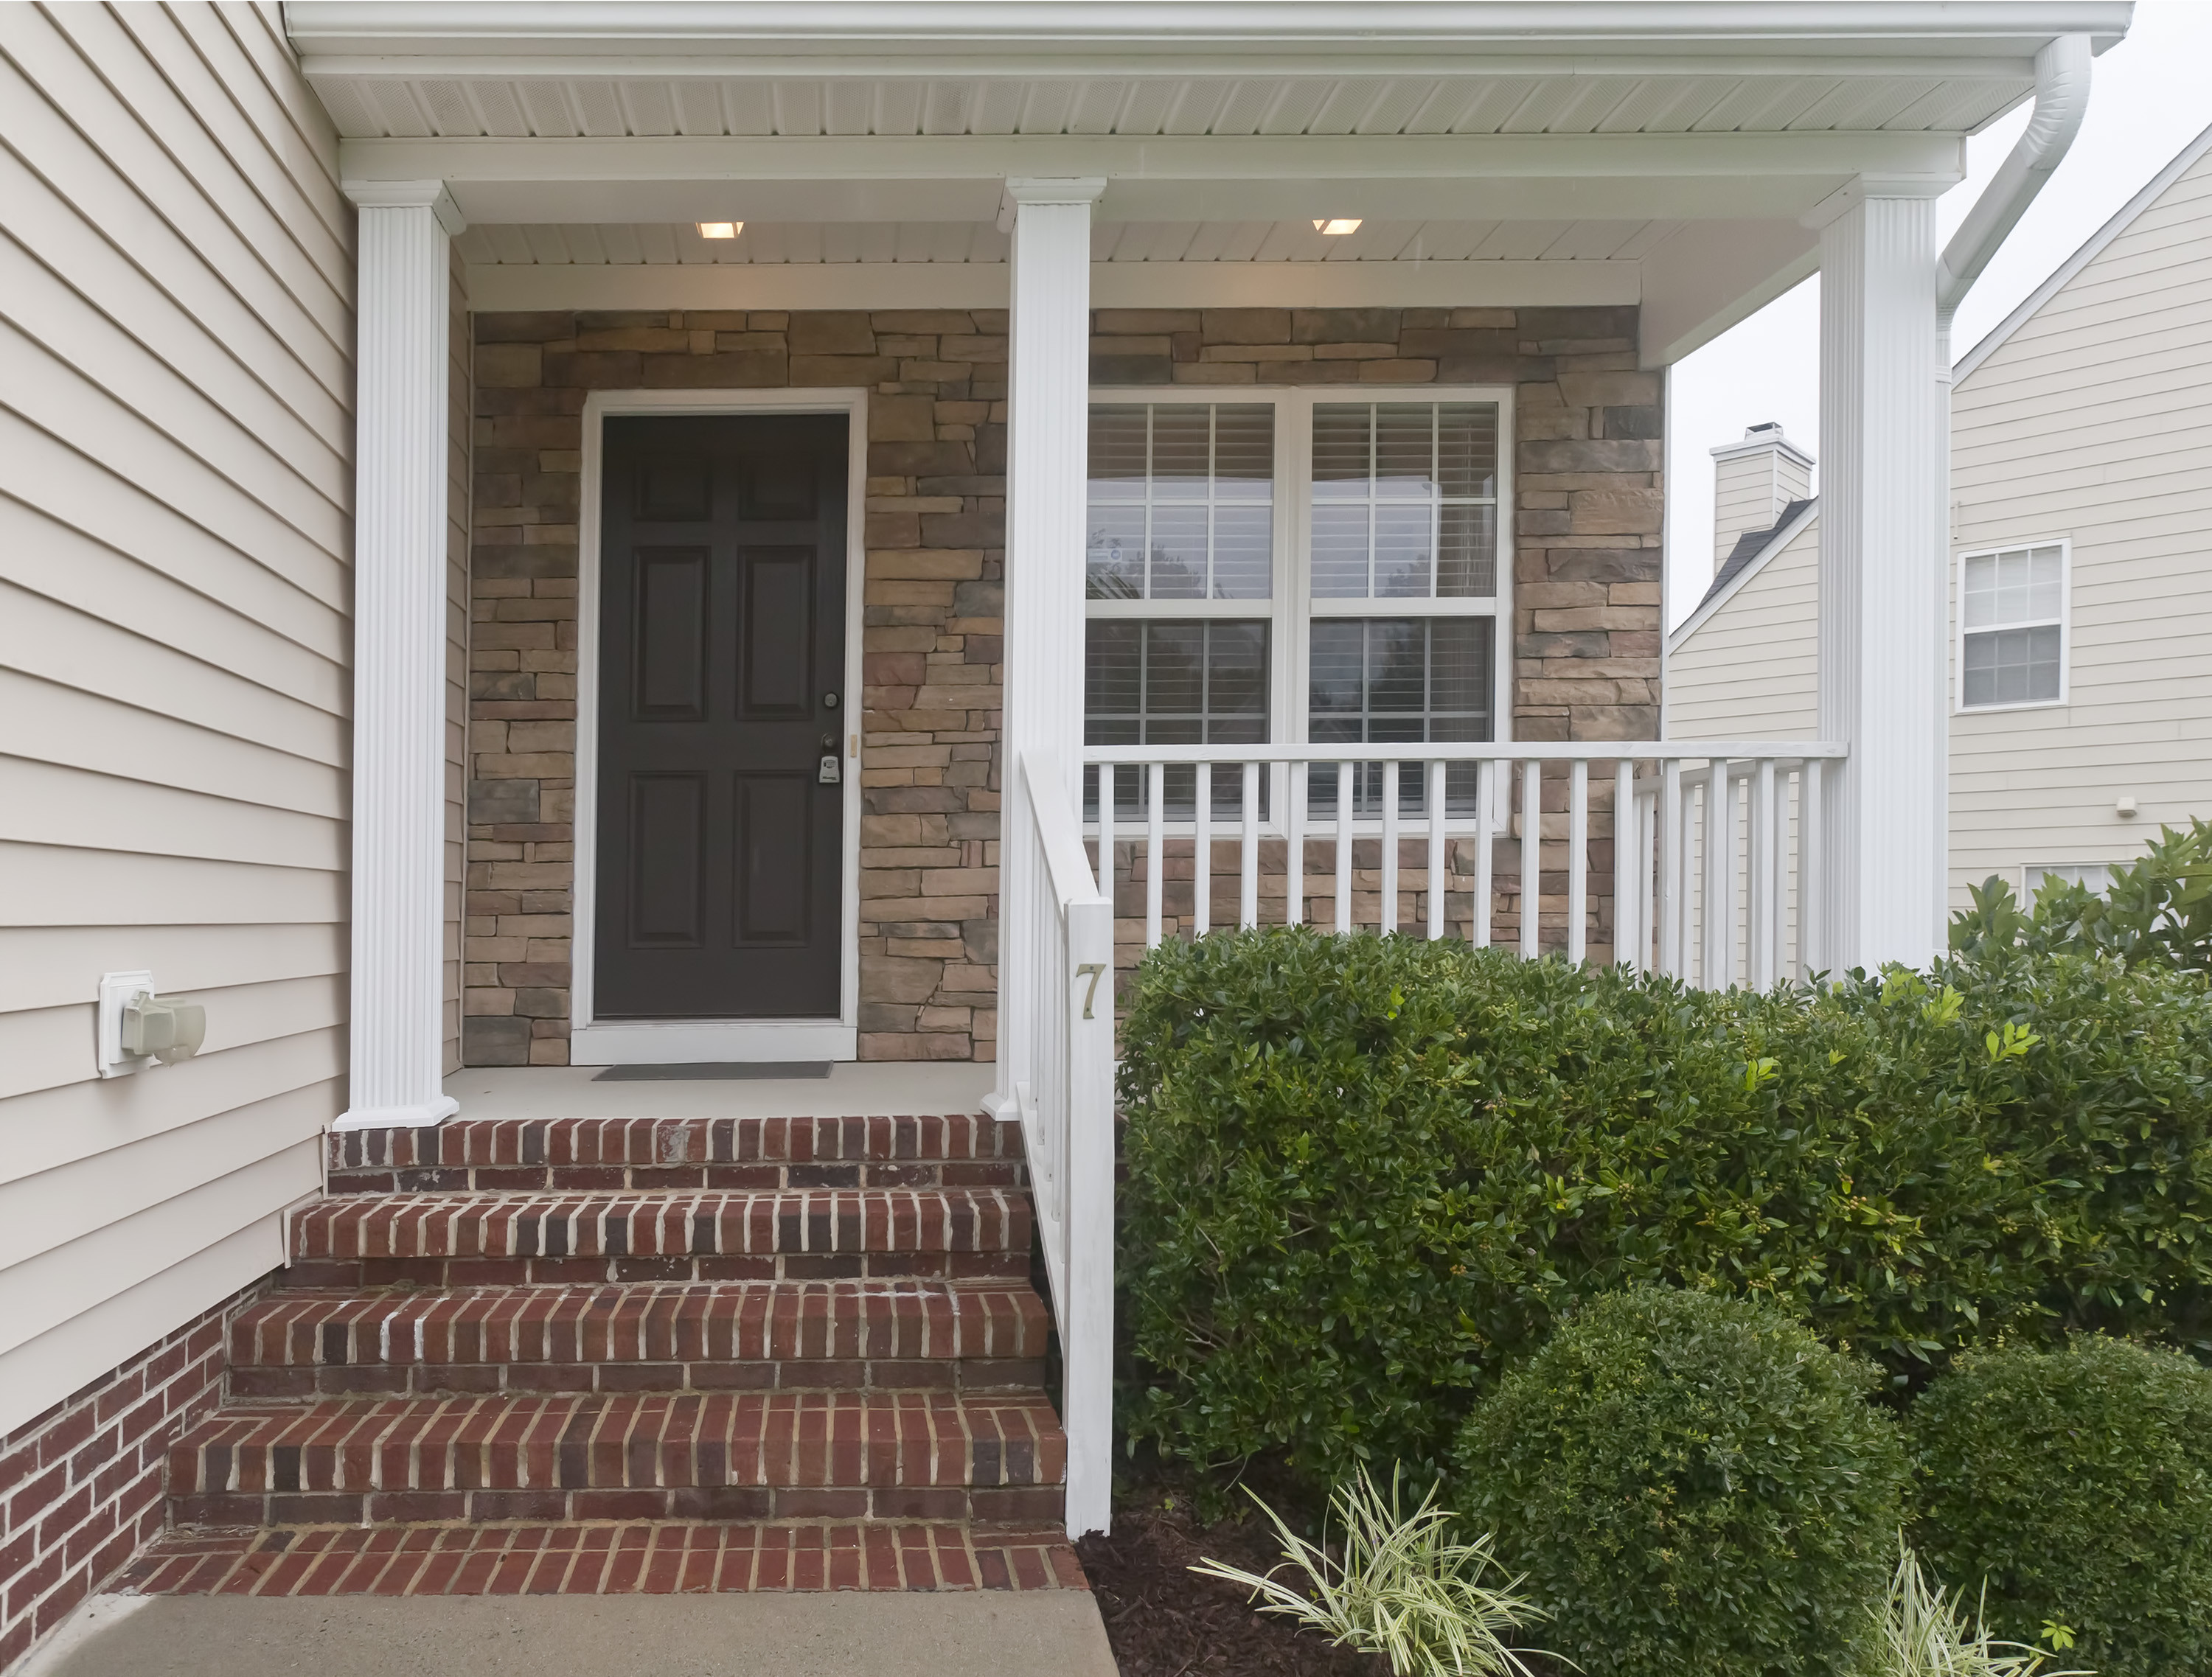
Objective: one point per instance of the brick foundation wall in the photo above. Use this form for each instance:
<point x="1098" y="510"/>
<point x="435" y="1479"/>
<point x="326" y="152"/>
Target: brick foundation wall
<point x="1585" y="632"/>
<point x="82" y="1485"/>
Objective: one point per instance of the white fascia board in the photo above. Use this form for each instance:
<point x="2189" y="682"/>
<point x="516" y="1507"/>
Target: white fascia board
<point x="524" y="288"/>
<point x="2091" y="248"/>
<point x="1782" y="538"/>
<point x="1730" y="31"/>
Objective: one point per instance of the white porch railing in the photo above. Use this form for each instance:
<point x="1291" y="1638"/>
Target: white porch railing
<point x="1711" y="888"/>
<point x="1066" y="1106"/>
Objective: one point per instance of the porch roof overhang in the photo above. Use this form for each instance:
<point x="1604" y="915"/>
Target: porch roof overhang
<point x="1663" y="154"/>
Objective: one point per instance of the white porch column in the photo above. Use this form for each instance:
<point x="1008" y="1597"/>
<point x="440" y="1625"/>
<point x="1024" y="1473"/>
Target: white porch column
<point x="1047" y="403"/>
<point x="399" y="654"/>
<point x="1882" y="597"/>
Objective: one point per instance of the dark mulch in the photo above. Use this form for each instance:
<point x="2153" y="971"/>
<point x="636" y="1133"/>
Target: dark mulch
<point x="1164" y="1620"/>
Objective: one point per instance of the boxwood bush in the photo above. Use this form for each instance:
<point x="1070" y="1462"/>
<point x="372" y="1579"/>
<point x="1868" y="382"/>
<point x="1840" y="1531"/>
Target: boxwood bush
<point x="2079" y="1482"/>
<point x="1695" y="1486"/>
<point x="1365" y="1174"/>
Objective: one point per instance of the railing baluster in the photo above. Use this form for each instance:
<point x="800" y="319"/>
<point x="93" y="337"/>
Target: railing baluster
<point x="1720" y="877"/>
<point x="1201" y="854"/>
<point x="1292" y="791"/>
<point x="1344" y="847"/>
<point x="1812" y="871"/>
<point x="1764" y="939"/>
<point x="1486" y="788"/>
<point x="1155" y="851"/>
<point x="1577" y="858"/>
<point x="1108" y="774"/>
<point x="1389" y="909"/>
<point x="1647" y="875"/>
<point x="1435" y="794"/>
<point x="1673" y="844"/>
<point x="1247" y="898"/>
<point x="1625" y="853"/>
<point x="1532" y="855"/>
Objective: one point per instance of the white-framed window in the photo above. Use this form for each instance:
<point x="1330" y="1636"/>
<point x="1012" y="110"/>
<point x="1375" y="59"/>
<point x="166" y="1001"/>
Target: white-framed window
<point x="2011" y="645"/>
<point x="1301" y="565"/>
<point x="2033" y="876"/>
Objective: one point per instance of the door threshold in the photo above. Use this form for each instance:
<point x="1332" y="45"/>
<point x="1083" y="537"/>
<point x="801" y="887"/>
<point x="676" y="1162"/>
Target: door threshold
<point x="712" y="1042"/>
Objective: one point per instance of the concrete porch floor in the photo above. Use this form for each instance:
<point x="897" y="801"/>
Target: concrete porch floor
<point x="852" y="1089"/>
<point x="1049" y="1633"/>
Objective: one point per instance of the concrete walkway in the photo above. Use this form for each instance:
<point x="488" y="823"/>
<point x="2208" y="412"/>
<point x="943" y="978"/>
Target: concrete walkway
<point x="986" y="1633"/>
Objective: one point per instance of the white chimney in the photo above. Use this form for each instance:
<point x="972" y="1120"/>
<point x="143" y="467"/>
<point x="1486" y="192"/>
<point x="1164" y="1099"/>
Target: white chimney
<point x="1752" y="481"/>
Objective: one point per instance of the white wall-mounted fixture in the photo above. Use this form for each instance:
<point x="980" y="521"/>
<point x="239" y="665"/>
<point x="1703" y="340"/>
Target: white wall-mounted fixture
<point x="138" y="1028"/>
<point x="720" y="229"/>
<point x="2126" y="808"/>
<point x="1337" y="228"/>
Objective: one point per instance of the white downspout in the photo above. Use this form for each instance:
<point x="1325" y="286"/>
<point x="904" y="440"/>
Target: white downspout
<point x="2062" y="98"/>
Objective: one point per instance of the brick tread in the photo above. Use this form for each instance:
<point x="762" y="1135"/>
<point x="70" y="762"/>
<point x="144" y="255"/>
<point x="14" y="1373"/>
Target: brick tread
<point x="469" y="1143"/>
<point x="815" y="1440"/>
<point x="738" y="1322"/>
<point x="662" y="1225"/>
<point x="600" y="1558"/>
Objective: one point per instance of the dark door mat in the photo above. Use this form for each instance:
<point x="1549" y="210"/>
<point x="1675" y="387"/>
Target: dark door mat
<point x="716" y="1071"/>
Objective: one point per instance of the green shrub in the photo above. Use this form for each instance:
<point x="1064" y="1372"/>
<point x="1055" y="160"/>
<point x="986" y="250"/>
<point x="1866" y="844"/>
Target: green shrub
<point x="2079" y="1482"/>
<point x="1696" y="1488"/>
<point x="1365" y="1174"/>
<point x="2156" y="911"/>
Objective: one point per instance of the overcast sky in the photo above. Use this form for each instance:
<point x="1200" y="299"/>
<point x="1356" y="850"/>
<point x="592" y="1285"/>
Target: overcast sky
<point x="2150" y="96"/>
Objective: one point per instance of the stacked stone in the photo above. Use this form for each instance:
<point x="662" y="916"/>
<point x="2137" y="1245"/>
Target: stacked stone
<point x="1585" y="626"/>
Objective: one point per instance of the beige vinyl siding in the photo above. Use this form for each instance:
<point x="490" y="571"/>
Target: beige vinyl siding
<point x="176" y="332"/>
<point x="1750" y="670"/>
<point x="2094" y="421"/>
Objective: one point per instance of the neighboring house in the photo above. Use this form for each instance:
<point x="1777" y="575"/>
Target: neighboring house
<point x="558" y="535"/>
<point x="2080" y="697"/>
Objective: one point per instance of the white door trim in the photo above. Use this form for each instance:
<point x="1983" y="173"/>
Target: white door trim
<point x="677" y="1041"/>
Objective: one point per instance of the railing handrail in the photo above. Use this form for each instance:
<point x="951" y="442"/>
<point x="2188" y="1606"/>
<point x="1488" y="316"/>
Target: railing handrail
<point x="1415" y="750"/>
<point x="1060" y="832"/>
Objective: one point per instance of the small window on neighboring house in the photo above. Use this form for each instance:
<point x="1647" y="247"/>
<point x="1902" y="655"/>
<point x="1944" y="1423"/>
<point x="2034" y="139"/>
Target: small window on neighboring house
<point x="2097" y="876"/>
<point x="2012" y="627"/>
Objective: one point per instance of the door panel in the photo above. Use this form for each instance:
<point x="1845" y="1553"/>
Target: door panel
<point x="721" y="647"/>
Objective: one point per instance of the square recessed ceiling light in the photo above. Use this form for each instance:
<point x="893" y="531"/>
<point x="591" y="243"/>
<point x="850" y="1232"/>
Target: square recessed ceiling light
<point x="732" y="230"/>
<point x="1338" y="227"/>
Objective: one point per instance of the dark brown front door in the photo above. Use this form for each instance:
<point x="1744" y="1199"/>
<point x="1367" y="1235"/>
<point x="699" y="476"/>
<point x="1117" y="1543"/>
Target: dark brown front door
<point x="721" y="691"/>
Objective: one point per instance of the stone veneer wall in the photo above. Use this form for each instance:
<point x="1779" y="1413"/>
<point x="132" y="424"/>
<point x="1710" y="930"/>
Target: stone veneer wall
<point x="1586" y="623"/>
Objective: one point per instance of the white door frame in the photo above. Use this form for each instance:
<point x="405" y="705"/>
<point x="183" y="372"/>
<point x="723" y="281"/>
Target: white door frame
<point x="678" y="1041"/>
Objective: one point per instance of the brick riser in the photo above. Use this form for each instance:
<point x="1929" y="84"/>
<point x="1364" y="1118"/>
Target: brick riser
<point x="820" y="1455"/>
<point x="842" y="1335"/>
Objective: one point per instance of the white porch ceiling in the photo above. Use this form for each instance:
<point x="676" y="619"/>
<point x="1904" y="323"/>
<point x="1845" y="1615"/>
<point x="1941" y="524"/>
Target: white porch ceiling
<point x="420" y="107"/>
<point x="665" y="244"/>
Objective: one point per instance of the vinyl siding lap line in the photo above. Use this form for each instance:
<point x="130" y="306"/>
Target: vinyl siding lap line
<point x="48" y="884"/>
<point x="41" y="967"/>
<point x="85" y="496"/>
<point x="109" y="122"/>
<point x="94" y="810"/>
<point x="103" y="427"/>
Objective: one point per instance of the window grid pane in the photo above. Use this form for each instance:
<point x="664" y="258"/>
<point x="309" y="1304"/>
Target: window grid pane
<point x="1405" y="501"/>
<point x="2011" y="607"/>
<point x="1164" y="682"/>
<point x="1181" y="501"/>
<point x="1377" y="681"/>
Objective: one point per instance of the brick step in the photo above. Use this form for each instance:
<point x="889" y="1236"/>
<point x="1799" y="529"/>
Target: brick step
<point x="959" y="1151"/>
<point x="667" y="1558"/>
<point x="510" y="1239"/>
<point x="721" y="1456"/>
<point x="967" y="1336"/>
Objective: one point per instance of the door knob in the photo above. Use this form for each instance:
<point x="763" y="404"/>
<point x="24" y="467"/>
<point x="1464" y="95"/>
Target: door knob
<point x="828" y="702"/>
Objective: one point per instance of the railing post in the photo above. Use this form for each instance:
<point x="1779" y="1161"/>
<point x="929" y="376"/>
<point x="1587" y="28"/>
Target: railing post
<point x="1087" y="1323"/>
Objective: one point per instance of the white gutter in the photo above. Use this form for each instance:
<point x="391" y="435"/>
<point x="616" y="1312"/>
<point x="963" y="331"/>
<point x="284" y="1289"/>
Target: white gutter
<point x="2062" y="98"/>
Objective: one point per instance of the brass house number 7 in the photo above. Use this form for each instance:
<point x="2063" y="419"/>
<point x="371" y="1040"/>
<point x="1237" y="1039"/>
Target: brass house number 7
<point x="1094" y="969"/>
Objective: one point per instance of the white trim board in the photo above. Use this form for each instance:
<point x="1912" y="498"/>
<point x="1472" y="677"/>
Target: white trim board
<point x="501" y="288"/>
<point x="624" y="1042"/>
